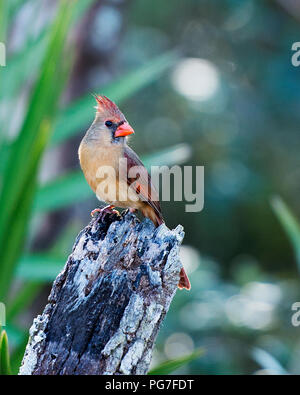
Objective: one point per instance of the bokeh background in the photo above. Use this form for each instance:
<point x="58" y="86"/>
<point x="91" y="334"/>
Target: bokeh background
<point x="203" y="82"/>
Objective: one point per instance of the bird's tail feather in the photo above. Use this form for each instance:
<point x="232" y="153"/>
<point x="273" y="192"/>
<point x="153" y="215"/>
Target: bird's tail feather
<point x="184" y="281"/>
<point x="157" y="219"/>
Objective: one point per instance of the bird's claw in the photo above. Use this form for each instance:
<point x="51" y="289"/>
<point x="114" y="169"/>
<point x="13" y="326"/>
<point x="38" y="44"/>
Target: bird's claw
<point x="108" y="209"/>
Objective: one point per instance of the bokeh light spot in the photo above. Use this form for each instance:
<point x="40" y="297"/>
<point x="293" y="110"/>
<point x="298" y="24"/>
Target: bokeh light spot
<point x="196" y="79"/>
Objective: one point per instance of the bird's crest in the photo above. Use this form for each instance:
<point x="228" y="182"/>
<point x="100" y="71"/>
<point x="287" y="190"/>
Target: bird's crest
<point x="107" y="107"/>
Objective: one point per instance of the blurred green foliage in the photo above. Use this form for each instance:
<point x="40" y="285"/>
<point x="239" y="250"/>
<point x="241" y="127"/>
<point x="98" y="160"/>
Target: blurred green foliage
<point x="172" y="365"/>
<point x="244" y="131"/>
<point x="44" y="58"/>
<point x="4" y="354"/>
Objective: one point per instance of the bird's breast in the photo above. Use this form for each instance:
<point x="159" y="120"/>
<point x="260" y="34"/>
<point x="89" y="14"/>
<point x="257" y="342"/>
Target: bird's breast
<point x="100" y="166"/>
<point x="95" y="159"/>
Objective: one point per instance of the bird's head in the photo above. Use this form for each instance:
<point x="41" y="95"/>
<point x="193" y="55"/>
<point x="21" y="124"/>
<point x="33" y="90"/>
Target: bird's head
<point x="110" y="125"/>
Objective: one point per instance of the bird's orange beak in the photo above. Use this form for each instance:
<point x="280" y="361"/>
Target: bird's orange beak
<point x="124" y="130"/>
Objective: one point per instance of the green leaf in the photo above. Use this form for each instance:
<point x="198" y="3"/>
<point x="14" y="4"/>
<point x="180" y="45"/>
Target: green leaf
<point x="174" y="364"/>
<point x="39" y="268"/>
<point x="4" y="12"/>
<point x="5" y="150"/>
<point x="289" y="223"/>
<point x="62" y="192"/>
<point x="13" y="240"/>
<point x="72" y="187"/>
<point x="26" y="63"/>
<point x="78" y="114"/>
<point x="21" y="67"/>
<point x="21" y="171"/>
<point x="4" y="355"/>
<point x="267" y="361"/>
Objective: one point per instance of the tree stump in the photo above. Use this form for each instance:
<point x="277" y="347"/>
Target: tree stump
<point x="107" y="305"/>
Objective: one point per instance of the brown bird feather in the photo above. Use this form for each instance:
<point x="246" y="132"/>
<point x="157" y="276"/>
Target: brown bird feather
<point x="144" y="187"/>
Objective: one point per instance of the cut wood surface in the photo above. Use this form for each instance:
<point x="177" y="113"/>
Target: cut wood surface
<point x="107" y="305"/>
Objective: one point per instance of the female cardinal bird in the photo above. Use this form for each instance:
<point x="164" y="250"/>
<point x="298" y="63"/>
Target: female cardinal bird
<point x="104" y="147"/>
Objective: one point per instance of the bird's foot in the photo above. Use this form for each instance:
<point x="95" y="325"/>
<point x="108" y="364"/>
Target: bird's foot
<point x="103" y="210"/>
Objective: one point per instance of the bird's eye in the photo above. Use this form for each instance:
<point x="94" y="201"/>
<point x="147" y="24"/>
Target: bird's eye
<point x="108" y="124"/>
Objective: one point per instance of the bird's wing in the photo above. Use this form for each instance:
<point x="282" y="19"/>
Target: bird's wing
<point x="142" y="184"/>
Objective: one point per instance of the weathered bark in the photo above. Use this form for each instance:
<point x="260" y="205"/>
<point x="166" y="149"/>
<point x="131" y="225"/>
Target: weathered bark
<point x="106" y="306"/>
